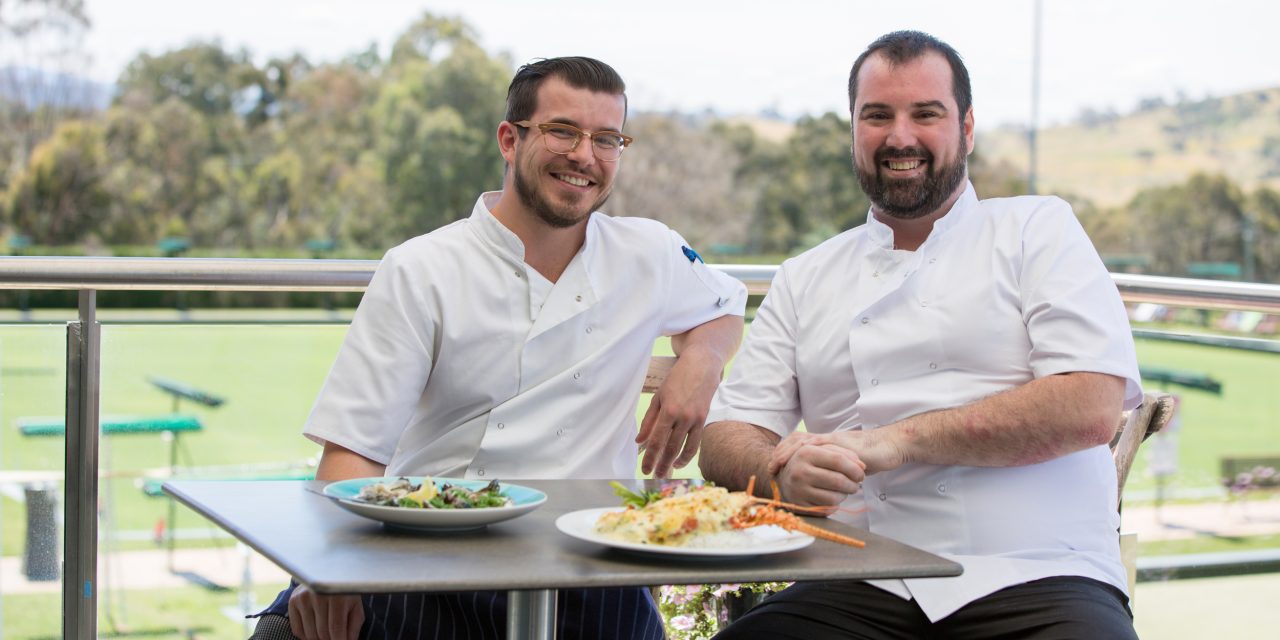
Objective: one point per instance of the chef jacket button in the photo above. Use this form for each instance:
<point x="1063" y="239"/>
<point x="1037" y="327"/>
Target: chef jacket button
<point x="722" y="302"/>
<point x="559" y="432"/>
<point x="577" y="375"/>
<point x="875" y="382"/>
<point x="933" y="365"/>
<point x="865" y="320"/>
<point x="588" y="329"/>
<point x="578" y="298"/>
<point x="932" y="260"/>
<point x="882" y="497"/>
<point x="480" y="471"/>
<point x="517" y="273"/>
<point x="501" y="425"/>
<point x="942" y="487"/>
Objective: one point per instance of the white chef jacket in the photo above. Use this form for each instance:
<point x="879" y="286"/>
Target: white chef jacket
<point x="856" y="335"/>
<point x="457" y="365"/>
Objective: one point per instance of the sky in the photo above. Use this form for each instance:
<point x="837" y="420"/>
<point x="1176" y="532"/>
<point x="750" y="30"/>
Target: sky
<point x="746" y="56"/>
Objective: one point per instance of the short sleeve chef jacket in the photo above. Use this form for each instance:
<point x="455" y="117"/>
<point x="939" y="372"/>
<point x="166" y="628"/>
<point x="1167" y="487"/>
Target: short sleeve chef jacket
<point x="454" y="365"/>
<point x="856" y="335"/>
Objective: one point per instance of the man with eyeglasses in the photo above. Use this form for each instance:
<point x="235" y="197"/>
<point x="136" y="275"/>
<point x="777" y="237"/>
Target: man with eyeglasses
<point x="513" y="344"/>
<point x="959" y="365"/>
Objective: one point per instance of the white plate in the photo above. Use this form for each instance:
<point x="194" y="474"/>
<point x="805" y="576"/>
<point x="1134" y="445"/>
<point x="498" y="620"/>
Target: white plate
<point x="524" y="500"/>
<point x="763" y="540"/>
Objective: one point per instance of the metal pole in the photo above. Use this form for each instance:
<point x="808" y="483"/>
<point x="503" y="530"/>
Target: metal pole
<point x="80" y="511"/>
<point x="1035" y="98"/>
<point x="171" y="524"/>
<point x="1248" y="235"/>
<point x="531" y="615"/>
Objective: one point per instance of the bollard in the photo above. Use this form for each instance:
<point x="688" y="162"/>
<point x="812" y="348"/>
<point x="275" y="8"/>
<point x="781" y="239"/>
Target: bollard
<point x="40" y="561"/>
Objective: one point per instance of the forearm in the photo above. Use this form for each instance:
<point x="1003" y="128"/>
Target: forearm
<point x="716" y="340"/>
<point x="671" y="430"/>
<point x="733" y="452"/>
<point x="1044" y="419"/>
<point x="340" y="463"/>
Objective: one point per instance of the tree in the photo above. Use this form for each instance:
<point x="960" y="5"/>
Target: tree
<point x="810" y="192"/>
<point x="434" y="122"/>
<point x="1198" y="221"/>
<point x="683" y="175"/>
<point x="427" y="36"/>
<point x="204" y="76"/>
<point x="59" y="196"/>
<point x="326" y="122"/>
<point x="41" y="50"/>
<point x="1264" y="209"/>
<point x="995" y="180"/>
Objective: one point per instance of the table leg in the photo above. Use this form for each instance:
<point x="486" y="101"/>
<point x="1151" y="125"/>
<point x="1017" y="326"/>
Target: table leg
<point x="531" y="615"/>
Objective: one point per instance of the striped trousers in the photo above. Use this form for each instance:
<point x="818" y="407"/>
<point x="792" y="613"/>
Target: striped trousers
<point x="581" y="614"/>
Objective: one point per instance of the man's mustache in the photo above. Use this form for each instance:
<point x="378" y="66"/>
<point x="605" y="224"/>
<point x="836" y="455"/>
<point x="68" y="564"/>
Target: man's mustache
<point x="891" y="153"/>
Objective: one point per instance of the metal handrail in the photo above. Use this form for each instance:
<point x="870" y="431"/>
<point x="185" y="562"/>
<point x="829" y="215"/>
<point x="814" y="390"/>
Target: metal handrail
<point x="257" y="274"/>
<point x="90" y="274"/>
<point x="1200" y="294"/>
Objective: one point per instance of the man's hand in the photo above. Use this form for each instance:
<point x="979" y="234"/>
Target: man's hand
<point x="875" y="450"/>
<point x="672" y="427"/>
<point x="812" y="471"/>
<point x="317" y="617"/>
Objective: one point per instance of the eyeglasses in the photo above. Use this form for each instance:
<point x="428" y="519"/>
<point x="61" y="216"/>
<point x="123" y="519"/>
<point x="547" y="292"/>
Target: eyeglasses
<point x="562" y="139"/>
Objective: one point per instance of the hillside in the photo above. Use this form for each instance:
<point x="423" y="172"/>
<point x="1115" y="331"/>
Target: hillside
<point x="1109" y="158"/>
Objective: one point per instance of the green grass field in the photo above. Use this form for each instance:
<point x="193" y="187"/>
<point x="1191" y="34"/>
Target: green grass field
<point x="161" y="614"/>
<point x="269" y="375"/>
<point x="1245" y="419"/>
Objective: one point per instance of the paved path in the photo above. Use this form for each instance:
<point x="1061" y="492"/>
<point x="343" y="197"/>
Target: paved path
<point x="1229" y="519"/>
<point x="224" y="567"/>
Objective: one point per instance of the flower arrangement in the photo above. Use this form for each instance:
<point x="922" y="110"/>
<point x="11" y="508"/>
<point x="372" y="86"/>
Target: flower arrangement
<point x="698" y="611"/>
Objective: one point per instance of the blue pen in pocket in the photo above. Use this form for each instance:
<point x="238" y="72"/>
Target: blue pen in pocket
<point x="692" y="255"/>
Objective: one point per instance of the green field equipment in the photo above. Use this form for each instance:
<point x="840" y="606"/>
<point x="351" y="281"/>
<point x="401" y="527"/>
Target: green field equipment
<point x="181" y="392"/>
<point x="1188" y="379"/>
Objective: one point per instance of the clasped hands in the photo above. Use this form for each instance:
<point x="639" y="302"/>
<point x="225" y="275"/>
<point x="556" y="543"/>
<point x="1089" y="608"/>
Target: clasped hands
<point x="822" y="469"/>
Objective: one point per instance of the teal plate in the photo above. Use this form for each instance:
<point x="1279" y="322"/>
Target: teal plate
<point x="523" y="500"/>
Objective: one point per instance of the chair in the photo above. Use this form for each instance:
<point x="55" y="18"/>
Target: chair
<point x="659" y="367"/>
<point x="1135" y="427"/>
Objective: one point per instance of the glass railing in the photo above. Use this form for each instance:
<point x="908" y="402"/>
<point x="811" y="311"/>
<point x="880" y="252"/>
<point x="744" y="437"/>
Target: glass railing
<point x="87" y="501"/>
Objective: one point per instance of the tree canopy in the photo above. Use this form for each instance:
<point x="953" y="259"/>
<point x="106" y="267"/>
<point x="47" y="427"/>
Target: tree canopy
<point x="364" y="152"/>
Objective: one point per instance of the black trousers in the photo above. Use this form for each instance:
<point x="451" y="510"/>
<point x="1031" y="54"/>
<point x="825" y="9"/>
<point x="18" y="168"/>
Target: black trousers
<point x="1065" y="608"/>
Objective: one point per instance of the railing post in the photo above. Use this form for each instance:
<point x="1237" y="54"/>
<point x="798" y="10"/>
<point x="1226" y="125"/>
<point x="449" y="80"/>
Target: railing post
<point x="80" y="542"/>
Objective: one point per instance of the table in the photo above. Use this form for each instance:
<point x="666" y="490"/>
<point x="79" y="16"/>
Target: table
<point x="333" y="551"/>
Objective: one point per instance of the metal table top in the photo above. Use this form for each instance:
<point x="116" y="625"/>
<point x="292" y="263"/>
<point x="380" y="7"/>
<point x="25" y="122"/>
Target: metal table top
<point x="334" y="551"/>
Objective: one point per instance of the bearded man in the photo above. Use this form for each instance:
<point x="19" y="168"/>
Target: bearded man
<point x="513" y="344"/>
<point x="959" y="365"/>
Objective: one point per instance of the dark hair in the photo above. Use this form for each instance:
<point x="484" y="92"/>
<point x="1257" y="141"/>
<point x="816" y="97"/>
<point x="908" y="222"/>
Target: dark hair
<point x="901" y="47"/>
<point x="576" y="71"/>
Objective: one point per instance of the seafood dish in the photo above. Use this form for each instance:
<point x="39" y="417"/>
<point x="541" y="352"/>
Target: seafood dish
<point x="692" y="516"/>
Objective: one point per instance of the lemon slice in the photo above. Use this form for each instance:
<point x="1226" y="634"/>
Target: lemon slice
<point x="425" y="493"/>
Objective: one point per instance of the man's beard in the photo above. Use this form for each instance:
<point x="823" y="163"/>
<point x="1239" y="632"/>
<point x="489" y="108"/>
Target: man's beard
<point x="915" y="198"/>
<point x="536" y="201"/>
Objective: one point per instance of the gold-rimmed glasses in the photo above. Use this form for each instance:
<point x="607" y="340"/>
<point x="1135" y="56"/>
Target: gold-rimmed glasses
<point x="562" y="139"/>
